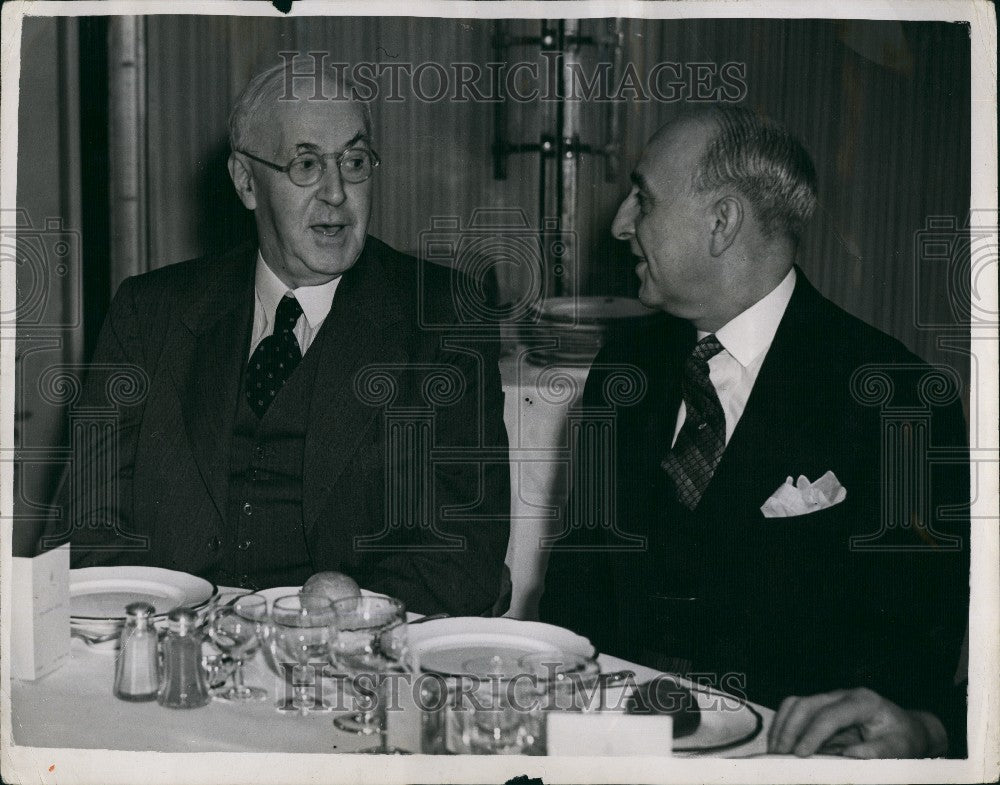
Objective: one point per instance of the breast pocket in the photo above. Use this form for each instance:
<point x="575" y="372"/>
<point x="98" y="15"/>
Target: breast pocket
<point x="792" y="558"/>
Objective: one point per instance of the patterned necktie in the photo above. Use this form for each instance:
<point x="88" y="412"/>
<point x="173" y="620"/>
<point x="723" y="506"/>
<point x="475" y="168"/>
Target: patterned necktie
<point x="275" y="357"/>
<point x="702" y="438"/>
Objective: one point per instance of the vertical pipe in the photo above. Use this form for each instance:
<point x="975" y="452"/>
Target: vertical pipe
<point x="614" y="146"/>
<point x="127" y="145"/>
<point x="569" y="115"/>
<point x="499" y="106"/>
<point x="70" y="207"/>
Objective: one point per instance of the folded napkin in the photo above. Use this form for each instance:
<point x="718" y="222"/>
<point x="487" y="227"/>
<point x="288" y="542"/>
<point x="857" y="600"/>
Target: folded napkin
<point x="803" y="497"/>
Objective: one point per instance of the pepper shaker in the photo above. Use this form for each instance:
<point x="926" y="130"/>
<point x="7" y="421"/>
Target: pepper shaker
<point x="183" y="685"/>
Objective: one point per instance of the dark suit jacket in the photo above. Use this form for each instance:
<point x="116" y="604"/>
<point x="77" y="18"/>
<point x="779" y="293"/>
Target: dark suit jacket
<point x="181" y="334"/>
<point x="784" y="606"/>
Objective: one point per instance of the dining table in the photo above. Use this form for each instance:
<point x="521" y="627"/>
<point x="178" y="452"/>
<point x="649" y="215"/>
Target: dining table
<point x="74" y="707"/>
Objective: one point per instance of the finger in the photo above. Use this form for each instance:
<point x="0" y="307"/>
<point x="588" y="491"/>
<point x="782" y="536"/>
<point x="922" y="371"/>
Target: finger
<point x="799" y="717"/>
<point x="868" y="750"/>
<point x="842" y="740"/>
<point x="853" y="709"/>
<point x="780" y="720"/>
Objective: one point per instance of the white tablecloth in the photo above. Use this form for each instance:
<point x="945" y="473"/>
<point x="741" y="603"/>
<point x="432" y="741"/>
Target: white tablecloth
<point x="74" y="707"/>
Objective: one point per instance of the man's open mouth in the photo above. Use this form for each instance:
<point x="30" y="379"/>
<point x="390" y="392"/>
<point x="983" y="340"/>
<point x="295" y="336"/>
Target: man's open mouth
<point x="328" y="230"/>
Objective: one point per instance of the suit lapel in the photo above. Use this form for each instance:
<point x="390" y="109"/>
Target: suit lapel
<point x="785" y="396"/>
<point x="208" y="358"/>
<point x="362" y="328"/>
<point x="665" y="354"/>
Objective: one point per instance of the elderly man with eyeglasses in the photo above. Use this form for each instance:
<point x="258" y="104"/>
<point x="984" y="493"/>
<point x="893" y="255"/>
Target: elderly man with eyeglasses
<point x="289" y="398"/>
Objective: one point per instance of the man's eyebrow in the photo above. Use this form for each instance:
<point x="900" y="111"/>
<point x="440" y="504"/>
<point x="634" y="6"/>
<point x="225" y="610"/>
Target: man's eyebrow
<point x="360" y="136"/>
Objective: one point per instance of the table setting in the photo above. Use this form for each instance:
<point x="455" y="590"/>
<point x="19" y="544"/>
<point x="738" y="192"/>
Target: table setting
<point x="165" y="661"/>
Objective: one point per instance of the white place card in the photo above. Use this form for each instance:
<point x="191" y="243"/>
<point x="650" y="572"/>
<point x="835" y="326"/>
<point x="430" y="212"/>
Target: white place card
<point x="608" y="733"/>
<point x="40" y="637"/>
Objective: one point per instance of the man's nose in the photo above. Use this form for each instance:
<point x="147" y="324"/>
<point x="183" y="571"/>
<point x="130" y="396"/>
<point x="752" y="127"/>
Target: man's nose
<point x="331" y="186"/>
<point x="623" y="227"/>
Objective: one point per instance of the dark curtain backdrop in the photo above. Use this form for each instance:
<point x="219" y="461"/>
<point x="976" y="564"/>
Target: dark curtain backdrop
<point x="884" y="107"/>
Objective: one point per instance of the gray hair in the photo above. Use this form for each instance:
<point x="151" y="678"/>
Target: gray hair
<point x="269" y="86"/>
<point x="768" y="166"/>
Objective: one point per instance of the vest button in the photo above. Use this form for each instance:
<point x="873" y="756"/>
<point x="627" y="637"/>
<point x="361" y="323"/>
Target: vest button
<point x="244" y="545"/>
<point x="214" y="544"/>
<point x="247" y="508"/>
<point x="258" y="452"/>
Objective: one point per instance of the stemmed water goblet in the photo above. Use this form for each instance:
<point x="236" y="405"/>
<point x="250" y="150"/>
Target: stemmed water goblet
<point x="369" y="641"/>
<point x="300" y="631"/>
<point x="236" y="630"/>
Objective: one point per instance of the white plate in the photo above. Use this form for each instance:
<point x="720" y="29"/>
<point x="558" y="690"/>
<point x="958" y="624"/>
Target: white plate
<point x="584" y="310"/>
<point x="461" y="645"/>
<point x="98" y="595"/>
<point x="726" y="722"/>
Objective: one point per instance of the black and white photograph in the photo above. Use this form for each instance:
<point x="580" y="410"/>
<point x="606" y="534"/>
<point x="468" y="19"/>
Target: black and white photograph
<point x="508" y="392"/>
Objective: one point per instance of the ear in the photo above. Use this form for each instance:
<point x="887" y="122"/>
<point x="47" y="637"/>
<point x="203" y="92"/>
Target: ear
<point x="727" y="218"/>
<point x="242" y="177"/>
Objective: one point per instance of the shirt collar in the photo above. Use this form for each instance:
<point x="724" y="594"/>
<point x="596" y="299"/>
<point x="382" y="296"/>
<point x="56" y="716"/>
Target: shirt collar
<point x="316" y="301"/>
<point x="747" y="336"/>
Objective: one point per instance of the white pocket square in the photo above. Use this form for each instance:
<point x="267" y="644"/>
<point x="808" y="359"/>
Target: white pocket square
<point x="803" y="497"/>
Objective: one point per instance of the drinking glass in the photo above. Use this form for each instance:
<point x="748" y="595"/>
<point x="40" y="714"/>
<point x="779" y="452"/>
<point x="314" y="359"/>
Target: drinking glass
<point x="299" y="631"/>
<point x="564" y="681"/>
<point x="494" y="713"/>
<point x="236" y="630"/>
<point x="369" y="640"/>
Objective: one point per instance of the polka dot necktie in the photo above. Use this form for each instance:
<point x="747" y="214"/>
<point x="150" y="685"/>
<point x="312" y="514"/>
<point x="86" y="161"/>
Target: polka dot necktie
<point x="702" y="438"/>
<point x="275" y="357"/>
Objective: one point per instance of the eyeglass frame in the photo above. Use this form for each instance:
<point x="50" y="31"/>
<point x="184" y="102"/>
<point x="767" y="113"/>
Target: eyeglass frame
<point x="338" y="158"/>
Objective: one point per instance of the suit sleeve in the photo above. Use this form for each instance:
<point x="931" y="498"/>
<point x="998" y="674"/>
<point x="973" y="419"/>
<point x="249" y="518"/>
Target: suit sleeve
<point x="922" y="590"/>
<point x="93" y="504"/>
<point x="457" y="565"/>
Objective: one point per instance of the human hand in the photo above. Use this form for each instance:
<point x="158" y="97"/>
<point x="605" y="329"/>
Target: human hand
<point x="856" y="723"/>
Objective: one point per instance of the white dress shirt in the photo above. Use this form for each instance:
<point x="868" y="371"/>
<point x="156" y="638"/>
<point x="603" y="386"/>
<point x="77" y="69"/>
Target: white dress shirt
<point x="745" y="341"/>
<point x="316" y="302"/>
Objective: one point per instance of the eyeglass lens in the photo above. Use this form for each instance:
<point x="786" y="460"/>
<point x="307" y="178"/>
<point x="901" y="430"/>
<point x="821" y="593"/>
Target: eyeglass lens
<point x="355" y="167"/>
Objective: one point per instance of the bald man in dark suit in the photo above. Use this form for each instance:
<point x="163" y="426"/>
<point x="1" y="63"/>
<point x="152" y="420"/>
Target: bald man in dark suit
<point x="777" y="523"/>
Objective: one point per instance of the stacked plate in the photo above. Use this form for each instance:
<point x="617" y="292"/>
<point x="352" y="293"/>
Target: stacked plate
<point x="99" y="595"/>
<point x="457" y="646"/>
<point x="579" y="326"/>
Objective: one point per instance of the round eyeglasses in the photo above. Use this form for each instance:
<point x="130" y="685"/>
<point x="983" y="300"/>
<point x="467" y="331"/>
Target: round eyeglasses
<point x="355" y="166"/>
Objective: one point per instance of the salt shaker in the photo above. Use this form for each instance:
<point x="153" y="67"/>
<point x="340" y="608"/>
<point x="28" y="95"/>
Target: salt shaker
<point x="137" y="674"/>
<point x="183" y="685"/>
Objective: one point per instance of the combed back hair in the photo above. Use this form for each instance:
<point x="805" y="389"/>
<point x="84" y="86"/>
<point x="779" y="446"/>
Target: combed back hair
<point x="765" y="163"/>
<point x="265" y="89"/>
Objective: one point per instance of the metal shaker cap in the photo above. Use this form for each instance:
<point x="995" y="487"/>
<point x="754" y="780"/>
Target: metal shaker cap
<point x="140" y="610"/>
<point x="182" y="621"/>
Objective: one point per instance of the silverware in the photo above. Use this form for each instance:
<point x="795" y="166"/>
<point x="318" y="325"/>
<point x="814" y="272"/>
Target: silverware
<point x="93" y="640"/>
<point x="617" y="677"/>
<point x="432" y="617"/>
